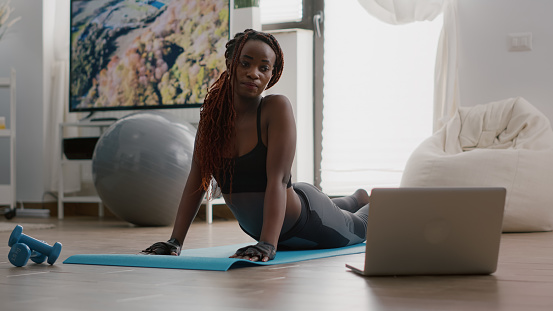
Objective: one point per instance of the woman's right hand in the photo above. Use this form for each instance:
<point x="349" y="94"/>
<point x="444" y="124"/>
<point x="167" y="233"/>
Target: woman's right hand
<point x="262" y="251"/>
<point x="171" y="247"/>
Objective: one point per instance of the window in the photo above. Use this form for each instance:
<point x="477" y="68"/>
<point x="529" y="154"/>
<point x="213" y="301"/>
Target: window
<point x="281" y="11"/>
<point x="285" y="14"/>
<point x="378" y="96"/>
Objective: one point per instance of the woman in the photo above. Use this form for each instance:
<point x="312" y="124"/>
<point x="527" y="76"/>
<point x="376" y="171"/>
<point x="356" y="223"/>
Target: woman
<point x="246" y="143"/>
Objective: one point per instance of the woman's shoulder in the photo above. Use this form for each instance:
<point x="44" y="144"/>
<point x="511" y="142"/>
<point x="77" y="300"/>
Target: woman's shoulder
<point x="274" y="102"/>
<point x="277" y="108"/>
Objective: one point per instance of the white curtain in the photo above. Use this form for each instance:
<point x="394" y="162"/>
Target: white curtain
<point x="446" y="83"/>
<point x="57" y="111"/>
<point x="446" y="86"/>
<point x="398" y="12"/>
<point x="378" y="96"/>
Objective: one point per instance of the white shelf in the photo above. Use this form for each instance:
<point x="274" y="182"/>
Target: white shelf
<point x="6" y="195"/>
<point x="76" y="161"/>
<point x="5" y="133"/>
<point x="7" y="191"/>
<point x="209" y="207"/>
<point x="62" y="198"/>
<point x="82" y="199"/>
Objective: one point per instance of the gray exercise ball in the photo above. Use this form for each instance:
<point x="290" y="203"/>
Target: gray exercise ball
<point x="140" y="166"/>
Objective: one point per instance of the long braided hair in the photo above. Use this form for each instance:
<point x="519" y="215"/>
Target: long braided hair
<point x="217" y="115"/>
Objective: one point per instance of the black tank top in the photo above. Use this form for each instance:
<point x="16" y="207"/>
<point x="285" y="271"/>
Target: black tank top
<point x="250" y="170"/>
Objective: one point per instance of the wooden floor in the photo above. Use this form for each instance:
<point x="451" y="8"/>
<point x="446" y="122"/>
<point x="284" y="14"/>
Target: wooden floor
<point x="523" y="281"/>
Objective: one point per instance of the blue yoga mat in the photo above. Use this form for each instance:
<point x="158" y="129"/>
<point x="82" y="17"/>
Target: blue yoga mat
<point x="213" y="258"/>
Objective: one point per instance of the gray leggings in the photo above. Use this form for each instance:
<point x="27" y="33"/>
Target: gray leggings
<point x="325" y="222"/>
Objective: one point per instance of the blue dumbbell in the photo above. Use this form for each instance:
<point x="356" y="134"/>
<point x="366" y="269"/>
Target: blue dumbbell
<point x="37" y="257"/>
<point x="52" y="252"/>
<point x="19" y="254"/>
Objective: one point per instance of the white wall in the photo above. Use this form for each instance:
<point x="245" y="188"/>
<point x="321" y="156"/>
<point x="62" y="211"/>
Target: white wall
<point x="22" y="50"/>
<point x="488" y="71"/>
<point x="29" y="49"/>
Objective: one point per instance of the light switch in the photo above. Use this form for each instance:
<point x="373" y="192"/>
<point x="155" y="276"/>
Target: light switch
<point x="520" y="41"/>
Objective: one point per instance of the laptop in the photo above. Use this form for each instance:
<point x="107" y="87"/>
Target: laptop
<point x="433" y="231"/>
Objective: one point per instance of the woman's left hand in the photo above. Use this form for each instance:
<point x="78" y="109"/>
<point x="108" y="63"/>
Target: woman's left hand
<point x="262" y="251"/>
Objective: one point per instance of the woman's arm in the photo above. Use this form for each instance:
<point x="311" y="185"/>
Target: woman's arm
<point x="189" y="205"/>
<point x="281" y="148"/>
<point x="190" y="202"/>
<point x="278" y="117"/>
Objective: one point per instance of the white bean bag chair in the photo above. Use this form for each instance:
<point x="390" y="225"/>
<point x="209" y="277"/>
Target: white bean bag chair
<point x="508" y="144"/>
